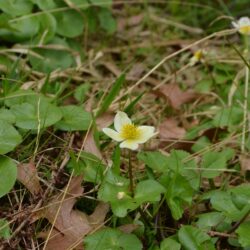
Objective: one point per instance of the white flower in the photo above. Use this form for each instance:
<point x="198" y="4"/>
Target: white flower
<point x="243" y="25"/>
<point x="197" y="57"/>
<point x="127" y="133"/>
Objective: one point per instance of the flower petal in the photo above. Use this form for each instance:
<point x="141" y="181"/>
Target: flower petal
<point x="112" y="134"/>
<point x="130" y="144"/>
<point x="146" y="132"/>
<point x="235" y="25"/>
<point x="121" y="119"/>
<point x="244" y="21"/>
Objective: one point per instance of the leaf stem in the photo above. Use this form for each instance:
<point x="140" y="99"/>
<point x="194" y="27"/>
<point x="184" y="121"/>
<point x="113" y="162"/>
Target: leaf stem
<point x="130" y="173"/>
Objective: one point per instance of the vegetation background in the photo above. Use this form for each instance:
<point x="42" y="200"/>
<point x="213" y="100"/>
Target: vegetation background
<point x="67" y="67"/>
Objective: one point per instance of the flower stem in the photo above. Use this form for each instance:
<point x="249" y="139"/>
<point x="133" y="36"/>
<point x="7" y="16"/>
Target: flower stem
<point x="130" y="173"/>
<point x="245" y="117"/>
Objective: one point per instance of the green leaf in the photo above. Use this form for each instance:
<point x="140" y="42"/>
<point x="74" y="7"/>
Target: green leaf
<point x="228" y="117"/>
<point x="48" y="60"/>
<point x="47" y="28"/>
<point x="214" y="162"/>
<point x="200" y="144"/>
<point x="192" y="238"/>
<point x="8" y="175"/>
<point x="6" y="115"/>
<point x="148" y="190"/>
<point x="170" y="243"/>
<point x="45" y="4"/>
<point x="89" y="165"/>
<point x="74" y="118"/>
<point x="244" y="231"/>
<point x="103" y="3"/>
<point x="155" y="160"/>
<point x="38" y="116"/>
<point x="112" y="94"/>
<point x="16" y="7"/>
<point x="69" y="23"/>
<point x="107" y="22"/>
<point x="9" y="137"/>
<point x="21" y="30"/>
<point x="179" y="193"/>
<point x="81" y="91"/>
<point x="211" y="219"/>
<point x="108" y="238"/>
<point x="5" y="231"/>
<point x="222" y="201"/>
<point x="82" y="4"/>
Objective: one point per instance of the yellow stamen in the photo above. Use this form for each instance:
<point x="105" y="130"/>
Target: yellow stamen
<point x="130" y="132"/>
<point x="198" y="55"/>
<point x="245" y="30"/>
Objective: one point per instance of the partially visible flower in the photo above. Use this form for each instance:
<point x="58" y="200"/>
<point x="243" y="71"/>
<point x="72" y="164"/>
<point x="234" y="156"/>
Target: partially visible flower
<point x="127" y="133"/>
<point x="120" y="195"/>
<point x="243" y="25"/>
<point x="197" y="57"/>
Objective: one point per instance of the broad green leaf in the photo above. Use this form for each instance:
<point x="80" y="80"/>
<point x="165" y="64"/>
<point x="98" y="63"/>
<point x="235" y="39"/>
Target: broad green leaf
<point x="5" y="231"/>
<point x="103" y="3"/>
<point x="215" y="162"/>
<point x="19" y="97"/>
<point x="69" y="23"/>
<point x="155" y="160"/>
<point x="47" y="28"/>
<point x="8" y="175"/>
<point x="228" y="117"/>
<point x="74" y="118"/>
<point x="9" y="137"/>
<point x="52" y="59"/>
<point x="222" y="201"/>
<point x="111" y="239"/>
<point x="21" y="30"/>
<point x="82" y="4"/>
<point x="211" y="219"/>
<point x="81" y="91"/>
<point x="107" y="22"/>
<point x="241" y="195"/>
<point x="244" y="231"/>
<point x="148" y="190"/>
<point x="170" y="244"/>
<point x="16" y="7"/>
<point x="192" y="238"/>
<point x="89" y="165"/>
<point x="45" y="4"/>
<point x="112" y="94"/>
<point x="179" y="193"/>
<point x="200" y="144"/>
<point x="38" y="116"/>
<point x="177" y="162"/>
<point x="6" y="115"/>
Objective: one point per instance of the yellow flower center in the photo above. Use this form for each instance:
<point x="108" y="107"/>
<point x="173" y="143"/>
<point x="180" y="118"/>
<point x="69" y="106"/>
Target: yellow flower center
<point x="245" y="30"/>
<point x="130" y="132"/>
<point x="198" y="55"/>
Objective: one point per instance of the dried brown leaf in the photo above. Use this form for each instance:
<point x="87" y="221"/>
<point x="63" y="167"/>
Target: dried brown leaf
<point x="244" y="163"/>
<point x="175" y="95"/>
<point x="27" y="175"/>
<point x="169" y="129"/>
<point x="71" y="225"/>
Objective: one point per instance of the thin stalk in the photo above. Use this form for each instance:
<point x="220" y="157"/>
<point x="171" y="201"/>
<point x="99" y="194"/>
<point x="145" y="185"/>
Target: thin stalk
<point x="245" y="117"/>
<point x="130" y="173"/>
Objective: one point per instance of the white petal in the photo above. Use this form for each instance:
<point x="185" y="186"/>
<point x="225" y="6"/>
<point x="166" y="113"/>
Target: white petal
<point x="146" y="132"/>
<point x="131" y="144"/>
<point x="112" y="134"/>
<point x="244" y="21"/>
<point x="121" y="119"/>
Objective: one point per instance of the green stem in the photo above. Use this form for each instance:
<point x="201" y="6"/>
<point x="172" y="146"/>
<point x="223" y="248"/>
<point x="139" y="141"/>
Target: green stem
<point x="130" y="173"/>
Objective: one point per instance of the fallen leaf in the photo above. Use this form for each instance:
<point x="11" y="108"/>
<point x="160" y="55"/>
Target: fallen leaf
<point x="71" y="225"/>
<point x="175" y="95"/>
<point x="244" y="163"/>
<point x="128" y="228"/>
<point x="169" y="129"/>
<point x="27" y="175"/>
